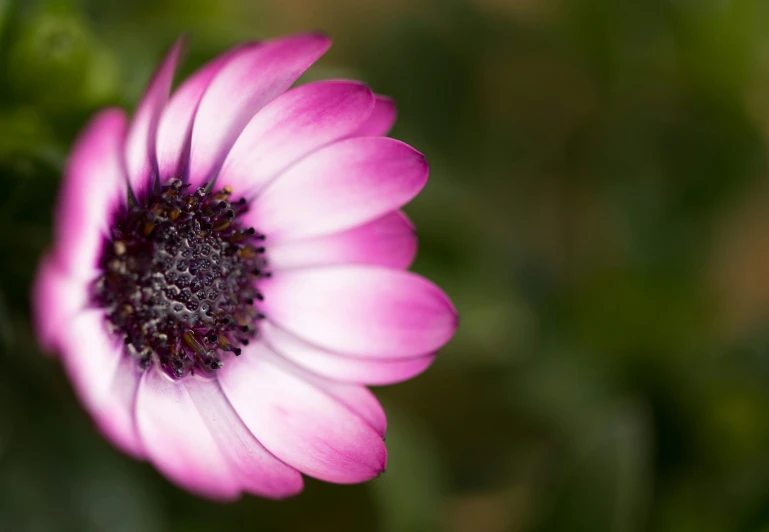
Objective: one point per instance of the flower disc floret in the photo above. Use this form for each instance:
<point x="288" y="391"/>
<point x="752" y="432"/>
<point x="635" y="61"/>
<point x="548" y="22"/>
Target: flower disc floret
<point x="178" y="280"/>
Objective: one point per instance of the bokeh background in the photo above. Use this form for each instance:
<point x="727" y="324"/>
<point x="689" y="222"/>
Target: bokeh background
<point x="598" y="209"/>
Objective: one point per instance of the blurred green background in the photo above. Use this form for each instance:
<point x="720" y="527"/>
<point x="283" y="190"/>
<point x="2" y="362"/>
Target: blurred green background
<point x="598" y="210"/>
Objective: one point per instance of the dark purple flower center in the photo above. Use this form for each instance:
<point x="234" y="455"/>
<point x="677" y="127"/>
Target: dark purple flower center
<point x="179" y="276"/>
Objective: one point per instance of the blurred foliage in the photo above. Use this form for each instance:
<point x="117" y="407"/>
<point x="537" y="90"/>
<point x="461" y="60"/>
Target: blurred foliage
<point x="598" y="210"/>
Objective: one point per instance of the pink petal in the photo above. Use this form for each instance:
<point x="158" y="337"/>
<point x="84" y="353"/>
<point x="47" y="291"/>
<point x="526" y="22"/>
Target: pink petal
<point x="115" y="416"/>
<point x="300" y="424"/>
<point x="140" y="151"/>
<point x="372" y="371"/>
<point x="381" y="120"/>
<point x="175" y="124"/>
<point x="358" y="399"/>
<point x="363" y="310"/>
<point x="344" y="185"/>
<point x="178" y="441"/>
<point x="294" y="124"/>
<point x="291" y="126"/>
<point x="257" y="470"/>
<point x="387" y="241"/>
<point x="93" y="187"/>
<point x="242" y="87"/>
<point x="104" y="377"/>
<point x="56" y="298"/>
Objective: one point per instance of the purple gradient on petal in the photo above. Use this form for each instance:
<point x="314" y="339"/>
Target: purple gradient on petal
<point x="93" y="186"/>
<point x="140" y="148"/>
<point x="381" y="120"/>
<point x="364" y="310"/>
<point x="299" y="423"/>
<point x="291" y="126"/>
<point x="388" y="241"/>
<point x="349" y="183"/>
<point x="174" y="133"/>
<point x="342" y="368"/>
<point x="105" y="381"/>
<point x="257" y="470"/>
<point x="242" y="87"/>
<point x="178" y="441"/>
<point x="358" y="399"/>
<point x="115" y="417"/>
<point x="56" y="298"/>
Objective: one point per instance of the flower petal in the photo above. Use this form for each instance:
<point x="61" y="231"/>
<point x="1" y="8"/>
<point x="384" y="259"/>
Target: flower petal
<point x="140" y="150"/>
<point x="364" y="310"/>
<point x="105" y="378"/>
<point x="299" y="423"/>
<point x="115" y="415"/>
<point x="371" y="371"/>
<point x="291" y="126"/>
<point x="178" y="441"/>
<point x="93" y="187"/>
<point x="175" y="124"/>
<point x="56" y="298"/>
<point x="358" y="399"/>
<point x="381" y="120"/>
<point x="344" y="185"/>
<point x="242" y="87"/>
<point x="257" y="470"/>
<point x="388" y="241"/>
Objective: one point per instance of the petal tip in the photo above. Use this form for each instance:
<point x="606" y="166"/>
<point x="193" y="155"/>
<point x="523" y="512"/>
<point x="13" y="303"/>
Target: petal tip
<point x="407" y="222"/>
<point x="413" y="156"/>
<point x="350" y="87"/>
<point x="419" y="159"/>
<point x="292" y="491"/>
<point x="369" y="470"/>
<point x="320" y="36"/>
<point x="178" y="47"/>
<point x="452" y="316"/>
<point x="319" y="39"/>
<point x="382" y="460"/>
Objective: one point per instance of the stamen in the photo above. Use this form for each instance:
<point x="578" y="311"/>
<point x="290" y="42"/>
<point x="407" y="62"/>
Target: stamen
<point x="178" y="279"/>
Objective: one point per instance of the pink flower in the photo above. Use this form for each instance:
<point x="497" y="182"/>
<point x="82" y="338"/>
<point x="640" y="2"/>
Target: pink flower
<point x="228" y="274"/>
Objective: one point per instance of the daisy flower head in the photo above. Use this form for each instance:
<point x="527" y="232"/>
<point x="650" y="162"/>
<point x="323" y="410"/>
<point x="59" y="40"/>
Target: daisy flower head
<point x="228" y="274"/>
